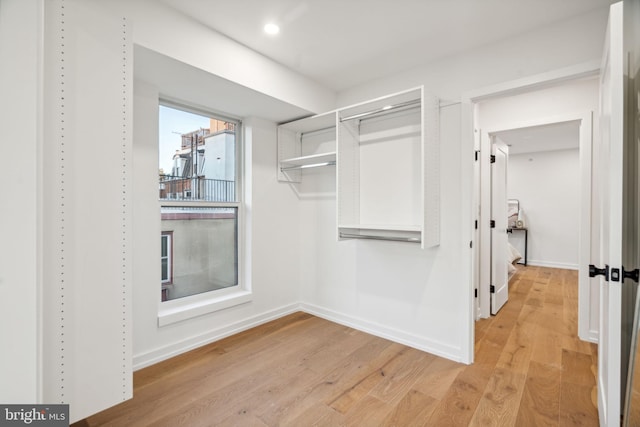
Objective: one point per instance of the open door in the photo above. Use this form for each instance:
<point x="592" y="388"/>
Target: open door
<point x="499" y="273"/>
<point x="617" y="174"/>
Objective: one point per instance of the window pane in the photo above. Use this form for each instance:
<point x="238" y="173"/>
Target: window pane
<point x="165" y="269"/>
<point x="197" y="157"/>
<point x="205" y="251"/>
<point x="164" y="245"/>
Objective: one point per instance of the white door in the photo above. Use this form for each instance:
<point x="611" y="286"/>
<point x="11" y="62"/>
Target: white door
<point x="614" y="211"/>
<point x="499" y="272"/>
<point x="476" y="227"/>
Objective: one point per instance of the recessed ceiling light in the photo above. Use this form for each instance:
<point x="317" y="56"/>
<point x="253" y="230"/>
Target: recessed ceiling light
<point x="271" y="29"/>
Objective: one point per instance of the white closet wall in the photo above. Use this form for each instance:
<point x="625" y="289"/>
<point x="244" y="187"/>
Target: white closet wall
<point x="87" y="208"/>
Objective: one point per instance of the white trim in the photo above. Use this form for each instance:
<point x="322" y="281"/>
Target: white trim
<point x="592" y="336"/>
<point x="468" y="203"/>
<point x="392" y="334"/>
<point x="201" y="304"/>
<point x="552" y="264"/>
<point x="163" y="353"/>
<point x="535" y="82"/>
<point x="166" y="352"/>
<point x="540" y="121"/>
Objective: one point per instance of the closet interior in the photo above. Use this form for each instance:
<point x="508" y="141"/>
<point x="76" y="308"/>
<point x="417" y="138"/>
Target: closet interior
<point x="386" y="153"/>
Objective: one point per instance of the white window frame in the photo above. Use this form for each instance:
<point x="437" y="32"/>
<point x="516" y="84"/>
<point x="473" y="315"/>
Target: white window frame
<point x="168" y="235"/>
<point x="181" y="309"/>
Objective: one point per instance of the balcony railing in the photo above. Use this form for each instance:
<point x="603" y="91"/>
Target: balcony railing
<point x="210" y="190"/>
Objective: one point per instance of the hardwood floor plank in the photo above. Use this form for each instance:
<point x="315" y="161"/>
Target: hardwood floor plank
<point x="576" y="406"/>
<point x="576" y="368"/>
<point x="517" y="352"/>
<point x="500" y="400"/>
<point x="413" y="410"/>
<point x="400" y="375"/>
<point x="368" y="411"/>
<point x="317" y="415"/>
<point x="344" y="376"/>
<point x="547" y="347"/>
<point x="461" y="400"/>
<point x="540" y="404"/>
<point x="436" y="378"/>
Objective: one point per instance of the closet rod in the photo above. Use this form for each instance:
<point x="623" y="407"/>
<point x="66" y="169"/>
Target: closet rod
<point x="311" y="132"/>
<point x="383" y="110"/>
<point x="367" y="236"/>
<point x="313" y="165"/>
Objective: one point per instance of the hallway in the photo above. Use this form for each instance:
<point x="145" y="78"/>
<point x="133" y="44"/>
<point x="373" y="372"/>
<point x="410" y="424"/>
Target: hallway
<point x="536" y="370"/>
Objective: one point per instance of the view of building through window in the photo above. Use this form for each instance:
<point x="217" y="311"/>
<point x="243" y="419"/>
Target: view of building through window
<point x="197" y="164"/>
<point x="197" y="157"/>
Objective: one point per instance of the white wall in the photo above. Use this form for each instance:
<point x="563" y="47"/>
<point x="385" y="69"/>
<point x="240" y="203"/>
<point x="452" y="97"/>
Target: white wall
<point x="20" y="256"/>
<point x="563" y="44"/>
<point x="391" y="289"/>
<point x="547" y="184"/>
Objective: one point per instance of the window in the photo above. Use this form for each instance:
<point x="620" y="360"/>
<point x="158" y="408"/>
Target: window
<point x="166" y="262"/>
<point x="200" y="206"/>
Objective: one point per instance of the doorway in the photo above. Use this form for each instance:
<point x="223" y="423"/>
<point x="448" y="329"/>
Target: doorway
<point x="551" y="100"/>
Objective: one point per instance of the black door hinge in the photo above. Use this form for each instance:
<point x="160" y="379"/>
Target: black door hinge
<point x="471" y="244"/>
<point x="594" y="271"/>
<point x="615" y="274"/>
<point x="492" y="158"/>
<point x="492" y="289"/>
<point x="475" y="293"/>
<point x="492" y="224"/>
<point x="476" y="224"/>
<point x="631" y="274"/>
<point x="477" y="154"/>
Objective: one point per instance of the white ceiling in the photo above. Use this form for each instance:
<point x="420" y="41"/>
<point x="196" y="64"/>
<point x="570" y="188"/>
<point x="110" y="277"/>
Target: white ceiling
<point x="555" y="136"/>
<point x="342" y="43"/>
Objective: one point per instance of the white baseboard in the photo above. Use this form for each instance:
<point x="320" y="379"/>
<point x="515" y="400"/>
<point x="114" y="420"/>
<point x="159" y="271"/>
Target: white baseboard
<point x="552" y="264"/>
<point x="154" y="356"/>
<point x="592" y="336"/>
<point x="411" y="340"/>
<point x="430" y="346"/>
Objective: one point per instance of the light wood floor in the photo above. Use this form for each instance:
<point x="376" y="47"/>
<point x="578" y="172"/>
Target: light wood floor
<point x="530" y="370"/>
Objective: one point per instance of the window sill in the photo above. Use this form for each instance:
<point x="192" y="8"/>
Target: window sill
<point x="175" y="311"/>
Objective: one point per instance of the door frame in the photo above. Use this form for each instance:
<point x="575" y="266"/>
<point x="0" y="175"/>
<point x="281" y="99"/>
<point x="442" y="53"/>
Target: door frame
<point x="470" y="197"/>
<point x="586" y="143"/>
